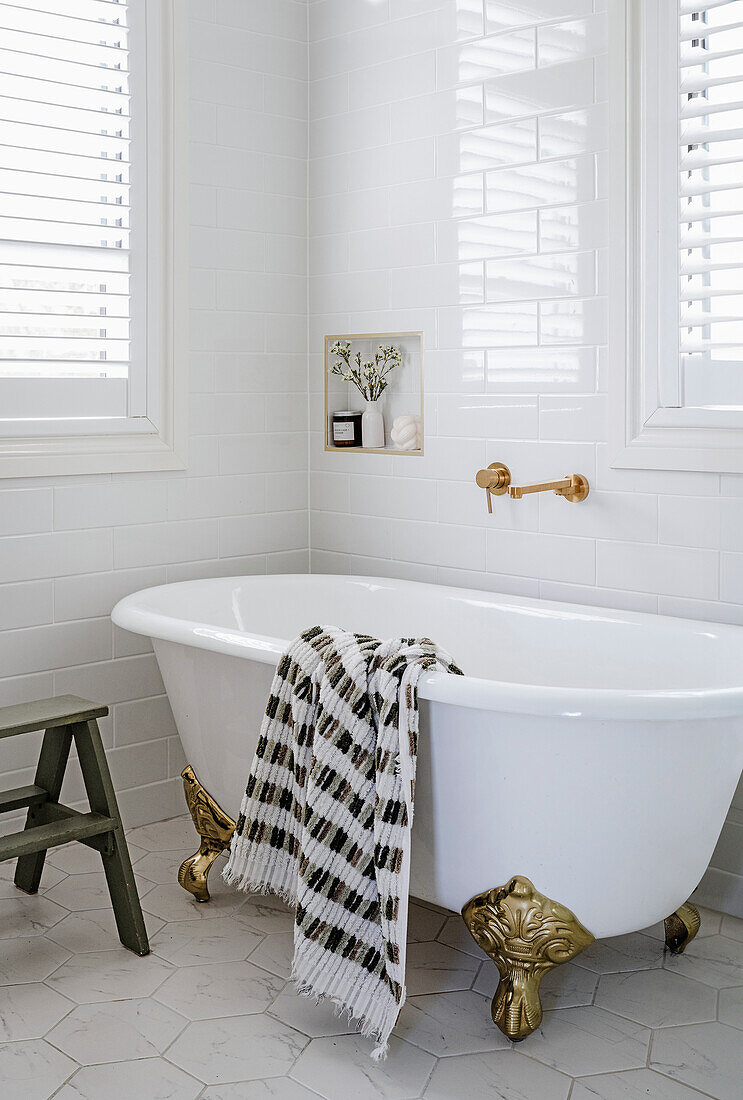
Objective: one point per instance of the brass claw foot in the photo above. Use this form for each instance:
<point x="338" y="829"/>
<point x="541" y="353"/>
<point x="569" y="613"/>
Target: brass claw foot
<point x="525" y="934"/>
<point x="215" y="828"/>
<point x="681" y="927"/>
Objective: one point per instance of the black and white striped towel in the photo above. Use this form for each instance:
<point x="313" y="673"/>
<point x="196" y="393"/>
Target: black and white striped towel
<point x="326" y="817"/>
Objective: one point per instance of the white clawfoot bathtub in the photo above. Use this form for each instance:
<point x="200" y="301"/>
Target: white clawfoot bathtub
<point x="594" y="751"/>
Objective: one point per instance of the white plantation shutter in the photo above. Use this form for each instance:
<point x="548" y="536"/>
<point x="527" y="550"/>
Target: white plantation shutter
<point x="68" y="281"/>
<point x="710" y="231"/>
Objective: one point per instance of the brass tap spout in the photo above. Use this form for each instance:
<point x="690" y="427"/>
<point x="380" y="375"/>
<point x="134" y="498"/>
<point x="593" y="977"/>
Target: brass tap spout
<point x="574" y="488"/>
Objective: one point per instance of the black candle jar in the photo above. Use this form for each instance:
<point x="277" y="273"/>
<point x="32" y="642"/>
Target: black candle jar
<point x="345" y="429"/>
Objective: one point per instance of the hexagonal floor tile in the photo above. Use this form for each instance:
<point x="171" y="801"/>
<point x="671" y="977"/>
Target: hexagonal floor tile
<point x="108" y="976"/>
<point x="28" y="1011"/>
<point x="190" y="942"/>
<point x="29" y="959"/>
<point x="272" y="1088"/>
<point x="423" y="923"/>
<point x="151" y="1077"/>
<point x="621" y="953"/>
<point x="50" y="877"/>
<point x="566" y="986"/>
<point x="502" y="1074"/>
<point x="730" y="1010"/>
<point x="28" y="915"/>
<point x="267" y="913"/>
<point x="32" y="1070"/>
<point x="117" y="1031"/>
<point x="732" y="927"/>
<point x="710" y="926"/>
<point x="339" y="1068"/>
<point x="275" y="953"/>
<point x="176" y="832"/>
<point x="579" y="1041"/>
<point x="172" y="903"/>
<point x="709" y="1057"/>
<point x="716" y="961"/>
<point x="240" y="1048"/>
<point x="219" y="989"/>
<point x="89" y="891"/>
<point x="77" y="859"/>
<point x="435" y="968"/>
<point x="162" y="867"/>
<point x="450" y="1023"/>
<point x="456" y="934"/>
<point x="95" y="930"/>
<point x="657" y="998"/>
<point x="633" y="1084"/>
<point x="313" y="1020"/>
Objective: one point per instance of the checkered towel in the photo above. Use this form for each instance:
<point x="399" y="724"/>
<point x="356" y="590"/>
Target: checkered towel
<point x="325" y="821"/>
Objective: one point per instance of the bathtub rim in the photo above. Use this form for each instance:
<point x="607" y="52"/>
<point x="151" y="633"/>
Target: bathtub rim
<point x="461" y="691"/>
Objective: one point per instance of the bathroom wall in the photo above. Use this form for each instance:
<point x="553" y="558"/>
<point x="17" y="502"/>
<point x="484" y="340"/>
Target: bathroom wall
<point x="458" y="185"/>
<point x="70" y="547"/>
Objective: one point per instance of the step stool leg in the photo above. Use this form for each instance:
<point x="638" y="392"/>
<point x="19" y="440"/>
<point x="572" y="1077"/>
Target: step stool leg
<point x="116" y="861"/>
<point x="55" y="750"/>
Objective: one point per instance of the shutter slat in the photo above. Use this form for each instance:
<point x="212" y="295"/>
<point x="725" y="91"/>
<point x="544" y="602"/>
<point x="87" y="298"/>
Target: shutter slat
<point x="64" y="190"/>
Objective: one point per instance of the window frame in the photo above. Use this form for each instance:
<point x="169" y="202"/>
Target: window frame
<point x="153" y="436"/>
<point x="646" y="430"/>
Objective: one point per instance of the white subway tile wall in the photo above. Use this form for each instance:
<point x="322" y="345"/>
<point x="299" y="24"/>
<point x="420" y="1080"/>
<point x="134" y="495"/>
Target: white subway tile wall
<point x="458" y="184"/>
<point x="70" y="548"/>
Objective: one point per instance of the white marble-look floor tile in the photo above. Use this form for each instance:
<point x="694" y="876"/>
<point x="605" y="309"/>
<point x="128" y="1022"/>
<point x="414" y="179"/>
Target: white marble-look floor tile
<point x="579" y="1041"/>
<point x="171" y="902"/>
<point x="710" y="926"/>
<point x="50" y="877"/>
<point x="313" y="1020"/>
<point x="732" y="927"/>
<point x="219" y="989"/>
<point x="275" y="953"/>
<point x="708" y="1057"/>
<point x="657" y="998"/>
<point x="340" y="1068"/>
<point x="191" y="942"/>
<point x="621" y="953"/>
<point x="117" y="1031"/>
<point x="94" y="930"/>
<point x="78" y="859"/>
<point x="162" y="867"/>
<point x="89" y="891"/>
<point x="435" y="968"/>
<point x="566" y="986"/>
<point x="28" y="1011"/>
<point x="153" y="1078"/>
<point x="423" y="923"/>
<point x="730" y="1008"/>
<point x="238" y="1048"/>
<point x="267" y="913"/>
<point x="163" y="836"/>
<point x="716" y="961"/>
<point x="505" y="1075"/>
<point x="450" y="1023"/>
<point x="109" y="975"/>
<point x="456" y="934"/>
<point x="32" y="1070"/>
<point x="28" y="915"/>
<point x="29" y="959"/>
<point x="633" y="1084"/>
<point x="274" y="1088"/>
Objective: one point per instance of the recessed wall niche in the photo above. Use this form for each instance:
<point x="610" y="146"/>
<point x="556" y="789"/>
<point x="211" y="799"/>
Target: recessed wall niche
<point x="373" y="375"/>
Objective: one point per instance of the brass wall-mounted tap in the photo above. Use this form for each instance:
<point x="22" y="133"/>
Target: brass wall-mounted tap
<point x="574" y="488"/>
<point x="496" y="481"/>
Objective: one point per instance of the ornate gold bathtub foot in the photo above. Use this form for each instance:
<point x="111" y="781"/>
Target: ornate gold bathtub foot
<point x="215" y="828"/>
<point x="525" y="934"/>
<point x="681" y="928"/>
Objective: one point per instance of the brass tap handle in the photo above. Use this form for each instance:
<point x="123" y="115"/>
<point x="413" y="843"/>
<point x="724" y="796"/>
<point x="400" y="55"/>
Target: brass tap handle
<point x="495" y="481"/>
<point x="574" y="488"/>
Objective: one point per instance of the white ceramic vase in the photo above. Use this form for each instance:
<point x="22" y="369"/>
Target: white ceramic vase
<point x="372" y="426"/>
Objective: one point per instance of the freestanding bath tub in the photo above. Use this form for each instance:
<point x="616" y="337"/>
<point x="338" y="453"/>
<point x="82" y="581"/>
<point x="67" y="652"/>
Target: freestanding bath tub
<point x="594" y="751"/>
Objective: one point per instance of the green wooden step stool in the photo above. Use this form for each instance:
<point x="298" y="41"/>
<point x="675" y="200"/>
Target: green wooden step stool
<point x="49" y="823"/>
